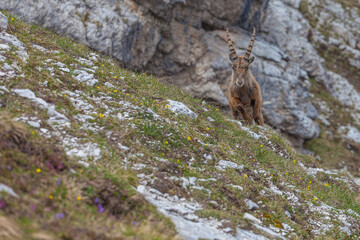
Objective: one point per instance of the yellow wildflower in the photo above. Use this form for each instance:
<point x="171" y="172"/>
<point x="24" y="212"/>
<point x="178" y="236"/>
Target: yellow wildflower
<point x="78" y="198"/>
<point x="98" y="87"/>
<point x="207" y="128"/>
<point x="127" y="94"/>
<point x="178" y="161"/>
<point x="261" y="145"/>
<point x="315" y="198"/>
<point x="217" y="109"/>
<point x="102" y="115"/>
<point x="294" y="161"/>
<point x="115" y="90"/>
<point x="310" y="182"/>
<point x="33" y="133"/>
<point x="12" y="19"/>
<point x="38" y="170"/>
<point x="163" y="154"/>
<point x="205" y="144"/>
<point x="245" y="176"/>
<point x="135" y="99"/>
<point x="65" y="95"/>
<point x="166" y="142"/>
<point x="95" y="113"/>
<point x="326" y="184"/>
<point x="51" y="197"/>
<point x="102" y="65"/>
<point x="189" y="138"/>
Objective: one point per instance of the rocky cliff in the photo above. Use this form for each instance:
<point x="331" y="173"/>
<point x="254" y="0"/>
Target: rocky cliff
<point x="184" y="42"/>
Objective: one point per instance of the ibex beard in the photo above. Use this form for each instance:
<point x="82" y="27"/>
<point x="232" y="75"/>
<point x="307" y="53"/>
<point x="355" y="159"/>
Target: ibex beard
<point x="244" y="90"/>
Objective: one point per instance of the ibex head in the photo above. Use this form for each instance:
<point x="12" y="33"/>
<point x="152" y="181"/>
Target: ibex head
<point x="240" y="64"/>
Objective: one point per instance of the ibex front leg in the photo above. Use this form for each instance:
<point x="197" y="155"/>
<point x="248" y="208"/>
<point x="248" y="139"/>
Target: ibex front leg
<point x="237" y="105"/>
<point x="257" y="113"/>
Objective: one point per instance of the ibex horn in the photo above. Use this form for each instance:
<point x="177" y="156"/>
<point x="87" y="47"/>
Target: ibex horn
<point x="249" y="49"/>
<point x="233" y="56"/>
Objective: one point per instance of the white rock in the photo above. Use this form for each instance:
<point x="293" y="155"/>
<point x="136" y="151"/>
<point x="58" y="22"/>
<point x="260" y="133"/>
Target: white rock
<point x="59" y="64"/>
<point x="65" y="70"/>
<point x="3" y="88"/>
<point x="83" y="76"/>
<point x="222" y="165"/>
<point x="155" y="115"/>
<point x="210" y="119"/>
<point x="109" y="85"/>
<point x="237" y="186"/>
<point x="269" y="231"/>
<point x="8" y="190"/>
<point x="40" y="48"/>
<point x="3" y="22"/>
<point x="251" y="205"/>
<point x="180" y="108"/>
<point x="252" y="218"/>
<point x="188" y="225"/>
<point x="125" y="148"/>
<point x="86" y="164"/>
<point x="34" y="124"/>
<point x="84" y="151"/>
<point x="246" y="129"/>
<point x="350" y="132"/>
<point x="85" y="61"/>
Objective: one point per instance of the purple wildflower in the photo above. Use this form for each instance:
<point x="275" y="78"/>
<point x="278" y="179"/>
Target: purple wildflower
<point x="133" y="223"/>
<point x="2" y="203"/>
<point x="59" y="215"/>
<point x="58" y="182"/>
<point x="96" y="201"/>
<point x="100" y="208"/>
<point x="9" y="167"/>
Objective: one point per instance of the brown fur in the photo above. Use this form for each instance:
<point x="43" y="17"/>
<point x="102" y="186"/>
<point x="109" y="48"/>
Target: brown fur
<point x="244" y="90"/>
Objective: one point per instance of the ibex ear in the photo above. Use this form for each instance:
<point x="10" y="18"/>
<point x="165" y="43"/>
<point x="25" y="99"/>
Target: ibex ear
<point x="251" y="59"/>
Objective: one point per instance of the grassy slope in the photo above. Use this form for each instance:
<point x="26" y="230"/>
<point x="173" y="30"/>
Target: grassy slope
<point x="34" y="212"/>
<point x="330" y="147"/>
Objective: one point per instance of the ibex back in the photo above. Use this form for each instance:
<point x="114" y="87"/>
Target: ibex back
<point x="244" y="90"/>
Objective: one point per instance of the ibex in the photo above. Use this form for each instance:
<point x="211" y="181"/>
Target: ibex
<point x="244" y="90"/>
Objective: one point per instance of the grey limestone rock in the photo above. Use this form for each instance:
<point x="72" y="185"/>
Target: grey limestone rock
<point x="184" y="41"/>
<point x="3" y="22"/>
